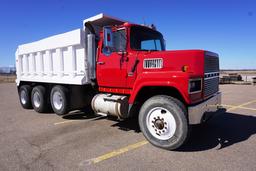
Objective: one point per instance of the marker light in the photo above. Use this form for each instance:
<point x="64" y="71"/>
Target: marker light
<point x="184" y="68"/>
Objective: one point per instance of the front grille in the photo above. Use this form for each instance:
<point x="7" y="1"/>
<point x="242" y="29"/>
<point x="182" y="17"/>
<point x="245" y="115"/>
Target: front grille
<point x="211" y="77"/>
<point x="211" y="86"/>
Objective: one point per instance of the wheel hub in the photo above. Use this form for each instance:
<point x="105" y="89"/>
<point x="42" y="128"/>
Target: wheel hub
<point x="161" y="123"/>
<point x="57" y="100"/>
<point x="36" y="99"/>
<point x="23" y="97"/>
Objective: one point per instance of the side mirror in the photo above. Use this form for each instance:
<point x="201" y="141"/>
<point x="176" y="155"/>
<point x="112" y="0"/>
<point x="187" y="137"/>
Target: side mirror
<point x="108" y="37"/>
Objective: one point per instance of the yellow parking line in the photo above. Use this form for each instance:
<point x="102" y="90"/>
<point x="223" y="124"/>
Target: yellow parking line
<point x="58" y="123"/>
<point x="70" y="121"/>
<point x="118" y="152"/>
<point x="248" y="108"/>
<point x="232" y="106"/>
<point x="241" y="106"/>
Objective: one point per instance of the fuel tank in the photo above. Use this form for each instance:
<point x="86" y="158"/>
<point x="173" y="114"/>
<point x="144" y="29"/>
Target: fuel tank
<point x="109" y="104"/>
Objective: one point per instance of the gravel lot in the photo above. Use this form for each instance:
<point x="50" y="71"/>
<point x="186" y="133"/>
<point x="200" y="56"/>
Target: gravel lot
<point x="32" y="141"/>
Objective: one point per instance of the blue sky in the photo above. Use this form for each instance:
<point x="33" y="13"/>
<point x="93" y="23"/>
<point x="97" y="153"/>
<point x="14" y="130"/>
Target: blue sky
<point x="227" y="27"/>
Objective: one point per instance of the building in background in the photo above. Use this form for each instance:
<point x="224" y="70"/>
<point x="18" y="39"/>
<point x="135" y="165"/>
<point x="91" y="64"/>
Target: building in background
<point x="231" y="76"/>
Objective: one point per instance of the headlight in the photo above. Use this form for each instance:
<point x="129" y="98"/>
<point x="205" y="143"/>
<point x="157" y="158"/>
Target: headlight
<point x="195" y="85"/>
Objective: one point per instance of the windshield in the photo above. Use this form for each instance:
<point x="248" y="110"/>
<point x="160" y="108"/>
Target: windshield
<point x="143" y="38"/>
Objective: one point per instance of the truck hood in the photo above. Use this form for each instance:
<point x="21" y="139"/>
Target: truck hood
<point x="175" y="60"/>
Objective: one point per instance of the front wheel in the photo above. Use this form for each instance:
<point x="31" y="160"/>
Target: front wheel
<point x="163" y="121"/>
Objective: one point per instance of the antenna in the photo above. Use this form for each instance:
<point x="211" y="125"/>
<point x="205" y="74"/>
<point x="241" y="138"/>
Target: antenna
<point x="144" y="22"/>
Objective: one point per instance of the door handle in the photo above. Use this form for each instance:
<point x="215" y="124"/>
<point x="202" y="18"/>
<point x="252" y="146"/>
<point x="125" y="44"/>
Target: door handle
<point x="126" y="59"/>
<point x="101" y="63"/>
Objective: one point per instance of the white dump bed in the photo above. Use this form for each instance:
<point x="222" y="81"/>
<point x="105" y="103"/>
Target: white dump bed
<point x="61" y="58"/>
<point x="56" y="59"/>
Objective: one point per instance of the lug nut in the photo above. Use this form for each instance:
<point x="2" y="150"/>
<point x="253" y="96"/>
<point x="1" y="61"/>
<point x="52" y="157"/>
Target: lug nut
<point x="165" y="123"/>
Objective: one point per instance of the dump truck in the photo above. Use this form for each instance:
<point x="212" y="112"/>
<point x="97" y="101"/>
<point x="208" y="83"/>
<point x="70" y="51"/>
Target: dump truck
<point x="119" y="68"/>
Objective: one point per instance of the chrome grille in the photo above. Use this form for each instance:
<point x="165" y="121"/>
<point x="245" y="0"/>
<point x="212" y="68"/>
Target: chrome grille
<point x="211" y="86"/>
<point x="211" y="76"/>
<point x="153" y="63"/>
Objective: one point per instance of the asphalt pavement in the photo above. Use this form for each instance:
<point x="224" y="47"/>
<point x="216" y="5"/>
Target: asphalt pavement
<point x="83" y="141"/>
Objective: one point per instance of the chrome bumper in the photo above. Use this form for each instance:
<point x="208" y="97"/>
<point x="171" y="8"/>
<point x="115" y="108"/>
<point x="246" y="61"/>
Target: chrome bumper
<point x="196" y="113"/>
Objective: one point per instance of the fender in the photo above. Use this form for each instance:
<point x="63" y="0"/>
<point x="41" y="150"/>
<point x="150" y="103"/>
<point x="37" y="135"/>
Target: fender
<point x="177" y="80"/>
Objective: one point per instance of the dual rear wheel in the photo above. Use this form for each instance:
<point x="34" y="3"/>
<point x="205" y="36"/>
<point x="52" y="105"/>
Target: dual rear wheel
<point x="43" y="100"/>
<point x="39" y="99"/>
<point x="24" y="94"/>
<point x="59" y="100"/>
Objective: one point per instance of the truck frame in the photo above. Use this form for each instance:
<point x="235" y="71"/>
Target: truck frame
<point x="118" y="68"/>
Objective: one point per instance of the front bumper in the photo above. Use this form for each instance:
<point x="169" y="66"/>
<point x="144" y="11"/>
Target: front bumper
<point x="197" y="112"/>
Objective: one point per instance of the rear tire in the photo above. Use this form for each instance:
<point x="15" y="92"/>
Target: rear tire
<point x="163" y="121"/>
<point x="24" y="96"/>
<point x="59" y="100"/>
<point x="39" y="99"/>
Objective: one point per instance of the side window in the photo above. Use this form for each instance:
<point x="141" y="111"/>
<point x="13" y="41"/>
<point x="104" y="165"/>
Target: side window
<point x="119" y="40"/>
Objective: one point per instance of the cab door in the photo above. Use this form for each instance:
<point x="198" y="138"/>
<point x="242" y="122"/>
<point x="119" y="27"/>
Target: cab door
<point x="112" y="60"/>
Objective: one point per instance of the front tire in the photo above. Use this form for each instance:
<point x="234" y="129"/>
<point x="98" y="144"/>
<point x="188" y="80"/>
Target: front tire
<point x="59" y="100"/>
<point x="163" y="121"/>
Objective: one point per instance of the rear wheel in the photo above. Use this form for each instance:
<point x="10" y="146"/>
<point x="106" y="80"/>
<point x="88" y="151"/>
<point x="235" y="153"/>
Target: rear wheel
<point x="163" y="122"/>
<point x="24" y="96"/>
<point x="39" y="99"/>
<point x="59" y="100"/>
